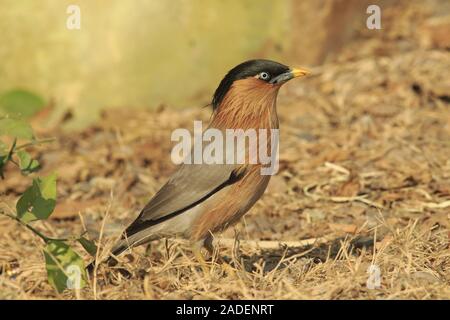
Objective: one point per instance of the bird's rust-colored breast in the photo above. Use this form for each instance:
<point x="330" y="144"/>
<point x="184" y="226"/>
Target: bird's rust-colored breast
<point x="250" y="103"/>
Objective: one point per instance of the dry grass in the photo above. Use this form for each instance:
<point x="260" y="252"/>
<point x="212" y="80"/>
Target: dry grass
<point x="364" y="172"/>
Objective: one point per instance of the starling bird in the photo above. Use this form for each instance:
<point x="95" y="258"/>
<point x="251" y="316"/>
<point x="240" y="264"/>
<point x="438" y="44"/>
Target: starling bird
<point x="201" y="199"/>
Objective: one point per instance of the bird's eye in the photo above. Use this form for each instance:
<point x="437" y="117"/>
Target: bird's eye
<point x="264" y="76"/>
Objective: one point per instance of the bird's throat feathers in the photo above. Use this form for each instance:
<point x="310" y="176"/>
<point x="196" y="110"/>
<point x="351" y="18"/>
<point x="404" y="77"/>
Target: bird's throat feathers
<point x="249" y="103"/>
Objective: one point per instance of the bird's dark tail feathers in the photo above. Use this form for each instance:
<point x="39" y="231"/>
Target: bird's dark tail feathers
<point x="111" y="261"/>
<point x="128" y="241"/>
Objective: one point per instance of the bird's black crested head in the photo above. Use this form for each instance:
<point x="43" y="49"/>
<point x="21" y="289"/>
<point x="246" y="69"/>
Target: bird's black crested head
<point x="265" y="70"/>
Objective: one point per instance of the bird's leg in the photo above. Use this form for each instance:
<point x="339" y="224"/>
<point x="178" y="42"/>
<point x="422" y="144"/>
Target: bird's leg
<point x="208" y="244"/>
<point x="197" y="251"/>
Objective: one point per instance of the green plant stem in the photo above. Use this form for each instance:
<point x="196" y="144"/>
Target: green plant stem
<point x="34" y="142"/>
<point x="32" y="229"/>
<point x="8" y="156"/>
<point x="11" y="150"/>
<point x="14" y="148"/>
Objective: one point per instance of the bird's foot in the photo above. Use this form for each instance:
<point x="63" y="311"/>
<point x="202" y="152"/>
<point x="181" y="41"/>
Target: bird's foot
<point x="201" y="260"/>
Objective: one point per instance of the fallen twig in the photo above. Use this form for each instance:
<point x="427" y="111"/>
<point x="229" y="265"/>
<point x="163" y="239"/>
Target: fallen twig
<point x="434" y="205"/>
<point x="270" y="244"/>
<point x="362" y="198"/>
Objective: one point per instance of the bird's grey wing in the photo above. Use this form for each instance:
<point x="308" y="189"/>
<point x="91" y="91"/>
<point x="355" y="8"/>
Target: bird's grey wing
<point x="190" y="185"/>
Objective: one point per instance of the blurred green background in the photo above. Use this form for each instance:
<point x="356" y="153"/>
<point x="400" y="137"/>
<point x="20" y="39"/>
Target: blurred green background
<point x="144" y="53"/>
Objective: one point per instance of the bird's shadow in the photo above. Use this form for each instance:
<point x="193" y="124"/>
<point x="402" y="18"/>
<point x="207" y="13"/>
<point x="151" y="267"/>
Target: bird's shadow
<point x="280" y="258"/>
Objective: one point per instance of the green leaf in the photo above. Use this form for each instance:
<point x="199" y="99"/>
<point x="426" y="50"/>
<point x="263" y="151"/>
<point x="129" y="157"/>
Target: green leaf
<point x="39" y="200"/>
<point x="65" y="268"/>
<point x="21" y="103"/>
<point x="88" y="245"/>
<point x="16" y="128"/>
<point x="26" y="163"/>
